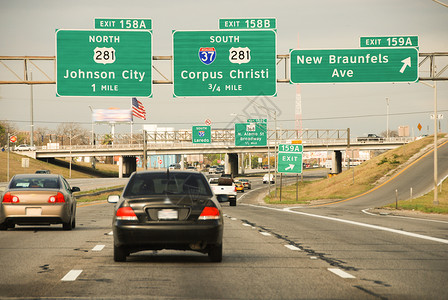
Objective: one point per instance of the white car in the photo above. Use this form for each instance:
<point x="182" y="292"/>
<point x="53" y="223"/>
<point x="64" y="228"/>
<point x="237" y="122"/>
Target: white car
<point x="266" y="178"/>
<point x="24" y="147"/>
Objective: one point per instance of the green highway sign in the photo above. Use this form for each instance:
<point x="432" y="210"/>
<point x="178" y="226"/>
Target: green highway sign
<point x="127" y="24"/>
<point x="389" y="41"/>
<point x="201" y="135"/>
<point x="224" y="63"/>
<point x="254" y="23"/>
<point x="290" y="158"/>
<point x="257" y="120"/>
<point x="354" y="65"/>
<point x="250" y="134"/>
<point x="104" y="63"/>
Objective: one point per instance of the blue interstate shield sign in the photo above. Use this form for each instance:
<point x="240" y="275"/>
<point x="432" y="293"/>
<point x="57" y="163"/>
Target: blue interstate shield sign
<point x="207" y="55"/>
<point x="201" y="133"/>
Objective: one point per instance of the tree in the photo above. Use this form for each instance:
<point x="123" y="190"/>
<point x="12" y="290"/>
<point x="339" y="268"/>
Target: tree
<point x="5" y="128"/>
<point x="78" y="135"/>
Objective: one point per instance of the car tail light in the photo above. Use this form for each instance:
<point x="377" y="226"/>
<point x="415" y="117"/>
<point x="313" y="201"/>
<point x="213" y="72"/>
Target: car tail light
<point x="8" y="198"/>
<point x="126" y="213"/>
<point x="58" y="198"/>
<point x="209" y="213"/>
<point x="235" y="189"/>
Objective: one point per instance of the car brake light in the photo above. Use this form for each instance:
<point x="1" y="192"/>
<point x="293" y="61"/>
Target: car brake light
<point x="126" y="213"/>
<point x="8" y="198"/>
<point x="58" y="198"/>
<point x="209" y="213"/>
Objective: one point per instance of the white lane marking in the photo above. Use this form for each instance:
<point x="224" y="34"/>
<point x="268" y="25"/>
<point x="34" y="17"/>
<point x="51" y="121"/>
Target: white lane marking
<point x="233" y="219"/>
<point x="265" y="233"/>
<point x="98" y="248"/>
<point x="111" y="233"/>
<point x="245" y="224"/>
<point x="291" y="247"/>
<point x="340" y="273"/>
<point x="411" y="234"/>
<point x="403" y="217"/>
<point x="72" y="275"/>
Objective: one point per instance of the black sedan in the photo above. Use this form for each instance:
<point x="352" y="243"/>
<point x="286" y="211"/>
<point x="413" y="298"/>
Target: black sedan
<point x="167" y="210"/>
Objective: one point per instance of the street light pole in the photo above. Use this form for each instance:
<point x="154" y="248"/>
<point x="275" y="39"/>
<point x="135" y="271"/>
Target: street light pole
<point x="387" y="118"/>
<point x="436" y="131"/>
<point x="434" y="86"/>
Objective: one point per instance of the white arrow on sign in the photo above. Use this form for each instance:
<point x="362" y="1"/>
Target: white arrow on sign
<point x="290" y="167"/>
<point x="406" y="63"/>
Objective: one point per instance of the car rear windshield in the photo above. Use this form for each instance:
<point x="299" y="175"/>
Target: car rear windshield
<point x="158" y="183"/>
<point x="34" y="182"/>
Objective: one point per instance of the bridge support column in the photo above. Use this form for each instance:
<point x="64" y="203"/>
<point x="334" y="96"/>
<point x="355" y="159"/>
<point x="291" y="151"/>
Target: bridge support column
<point x="126" y="165"/>
<point x="231" y="164"/>
<point x="241" y="169"/>
<point x="120" y="167"/>
<point x="336" y="162"/>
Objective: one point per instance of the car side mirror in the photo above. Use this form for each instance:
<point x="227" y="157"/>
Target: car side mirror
<point x="75" y="189"/>
<point x="113" y="199"/>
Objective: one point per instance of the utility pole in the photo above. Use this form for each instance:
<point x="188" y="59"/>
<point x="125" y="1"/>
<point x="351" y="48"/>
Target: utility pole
<point x="387" y="118"/>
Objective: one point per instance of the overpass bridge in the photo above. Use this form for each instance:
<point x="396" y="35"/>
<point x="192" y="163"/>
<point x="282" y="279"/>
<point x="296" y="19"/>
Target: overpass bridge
<point x="180" y="142"/>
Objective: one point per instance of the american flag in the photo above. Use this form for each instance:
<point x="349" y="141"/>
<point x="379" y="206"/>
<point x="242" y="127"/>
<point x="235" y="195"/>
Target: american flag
<point x="138" y="109"/>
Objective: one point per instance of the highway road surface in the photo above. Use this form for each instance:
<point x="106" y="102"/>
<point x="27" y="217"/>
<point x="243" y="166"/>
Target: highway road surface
<point x="339" y="250"/>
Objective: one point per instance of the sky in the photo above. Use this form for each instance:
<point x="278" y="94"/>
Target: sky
<point x="27" y="28"/>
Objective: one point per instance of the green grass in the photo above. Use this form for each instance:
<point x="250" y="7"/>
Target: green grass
<point x="425" y="203"/>
<point x="361" y="179"/>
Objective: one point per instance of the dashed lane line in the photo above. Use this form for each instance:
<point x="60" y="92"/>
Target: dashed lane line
<point x="341" y="273"/>
<point x="72" y="275"/>
<point x="293" y="248"/>
<point x="98" y="248"/>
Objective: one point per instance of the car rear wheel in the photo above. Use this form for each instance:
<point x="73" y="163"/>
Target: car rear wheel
<point x="68" y="225"/>
<point x="120" y="254"/>
<point x="3" y="226"/>
<point x="232" y="202"/>
<point x="215" y="253"/>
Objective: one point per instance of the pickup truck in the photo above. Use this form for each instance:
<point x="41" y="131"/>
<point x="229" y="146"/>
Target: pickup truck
<point x="371" y="137"/>
<point x="224" y="189"/>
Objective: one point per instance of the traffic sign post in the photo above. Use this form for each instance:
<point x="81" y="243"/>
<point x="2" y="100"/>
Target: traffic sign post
<point x="290" y="158"/>
<point x="389" y="41"/>
<point x="250" y="134"/>
<point x="104" y="63"/>
<point x="354" y="65"/>
<point x="201" y="134"/>
<point x="224" y="63"/>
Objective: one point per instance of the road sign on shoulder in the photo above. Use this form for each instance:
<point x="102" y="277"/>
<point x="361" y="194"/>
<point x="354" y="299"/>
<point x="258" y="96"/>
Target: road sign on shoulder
<point x="354" y="65"/>
<point x="112" y="63"/>
<point x="250" y="134"/>
<point x="224" y="63"/>
<point x="290" y="158"/>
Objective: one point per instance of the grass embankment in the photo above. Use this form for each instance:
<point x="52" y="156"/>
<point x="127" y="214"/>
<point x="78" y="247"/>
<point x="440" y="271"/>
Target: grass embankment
<point x="98" y="194"/>
<point x="360" y="179"/>
<point x="15" y="167"/>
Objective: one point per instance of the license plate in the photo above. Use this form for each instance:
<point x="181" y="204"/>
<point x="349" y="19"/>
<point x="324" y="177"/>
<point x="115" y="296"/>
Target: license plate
<point x="32" y="211"/>
<point x="167" y="214"/>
